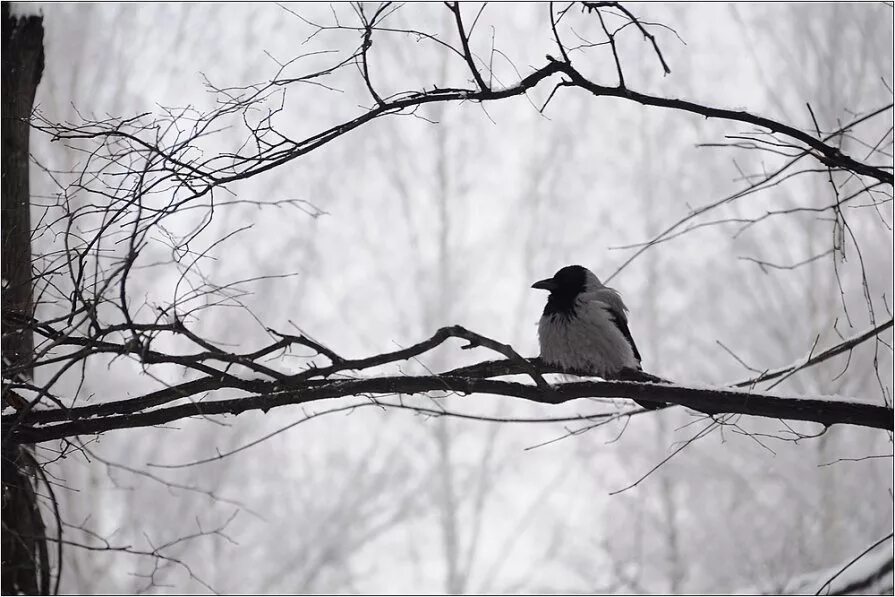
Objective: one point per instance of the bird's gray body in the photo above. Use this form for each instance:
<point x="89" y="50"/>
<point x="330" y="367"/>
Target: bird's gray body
<point x="589" y="340"/>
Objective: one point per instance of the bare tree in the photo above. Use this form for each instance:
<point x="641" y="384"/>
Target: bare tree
<point x="148" y="194"/>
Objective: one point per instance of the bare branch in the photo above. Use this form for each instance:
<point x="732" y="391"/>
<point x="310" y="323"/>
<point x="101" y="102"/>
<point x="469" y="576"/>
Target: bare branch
<point x="464" y="40"/>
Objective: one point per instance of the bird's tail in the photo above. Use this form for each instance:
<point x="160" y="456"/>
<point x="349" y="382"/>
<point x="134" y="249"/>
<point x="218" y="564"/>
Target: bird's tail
<point x="631" y="374"/>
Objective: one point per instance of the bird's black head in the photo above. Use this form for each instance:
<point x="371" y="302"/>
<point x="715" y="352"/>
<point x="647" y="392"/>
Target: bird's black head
<point x="564" y="287"/>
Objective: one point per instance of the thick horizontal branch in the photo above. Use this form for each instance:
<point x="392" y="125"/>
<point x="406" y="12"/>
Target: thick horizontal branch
<point x="315" y="384"/>
<point x="709" y="401"/>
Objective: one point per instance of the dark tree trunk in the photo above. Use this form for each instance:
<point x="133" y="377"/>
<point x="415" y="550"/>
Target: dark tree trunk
<point x="23" y="61"/>
<point x="25" y="567"/>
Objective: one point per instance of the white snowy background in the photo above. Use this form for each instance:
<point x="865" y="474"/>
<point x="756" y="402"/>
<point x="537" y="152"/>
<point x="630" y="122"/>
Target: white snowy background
<point x="423" y="225"/>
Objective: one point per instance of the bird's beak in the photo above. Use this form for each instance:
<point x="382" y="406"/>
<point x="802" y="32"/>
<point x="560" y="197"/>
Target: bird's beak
<point x="547" y="284"/>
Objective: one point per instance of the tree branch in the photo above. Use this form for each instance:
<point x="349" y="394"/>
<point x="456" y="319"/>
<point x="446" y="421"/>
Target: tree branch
<point x="313" y="385"/>
<point x="464" y="40"/>
<point x="709" y="401"/>
<point x="828" y="155"/>
<point x="810" y="361"/>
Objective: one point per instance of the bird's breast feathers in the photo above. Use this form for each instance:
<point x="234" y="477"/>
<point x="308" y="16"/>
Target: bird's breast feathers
<point x="589" y="340"/>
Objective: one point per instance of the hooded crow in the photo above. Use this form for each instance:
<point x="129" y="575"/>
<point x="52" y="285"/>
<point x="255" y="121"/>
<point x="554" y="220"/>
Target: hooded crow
<point x="584" y="328"/>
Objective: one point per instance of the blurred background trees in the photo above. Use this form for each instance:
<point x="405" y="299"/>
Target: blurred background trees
<point x="446" y="217"/>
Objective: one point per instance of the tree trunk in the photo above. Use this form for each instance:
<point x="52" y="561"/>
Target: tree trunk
<point x="25" y="566"/>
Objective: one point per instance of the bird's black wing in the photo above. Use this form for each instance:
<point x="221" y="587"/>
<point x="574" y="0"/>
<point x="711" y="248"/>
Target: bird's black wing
<point x="621" y="323"/>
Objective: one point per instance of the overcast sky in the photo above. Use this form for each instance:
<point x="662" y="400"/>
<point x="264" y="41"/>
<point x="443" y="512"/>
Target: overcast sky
<point x="447" y="217"/>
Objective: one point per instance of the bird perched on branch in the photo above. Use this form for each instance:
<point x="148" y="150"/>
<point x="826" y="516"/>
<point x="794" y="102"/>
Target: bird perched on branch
<point x="584" y="329"/>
